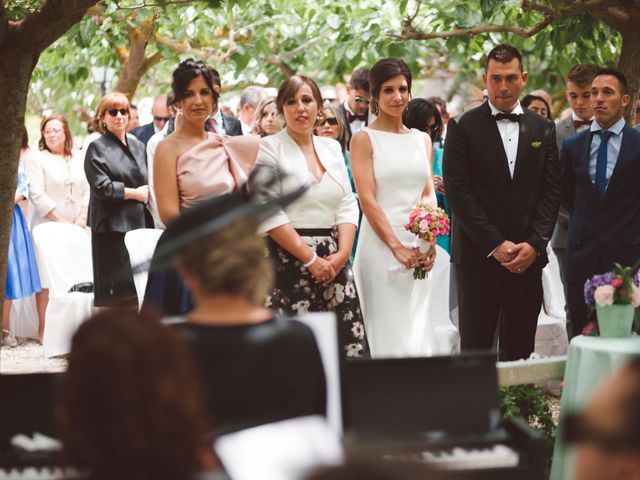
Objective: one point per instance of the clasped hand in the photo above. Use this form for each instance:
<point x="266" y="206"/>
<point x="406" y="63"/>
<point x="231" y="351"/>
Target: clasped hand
<point x="413" y="257"/>
<point x="516" y="258"/>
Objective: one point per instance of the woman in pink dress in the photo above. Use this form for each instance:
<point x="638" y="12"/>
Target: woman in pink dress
<point x="191" y="165"/>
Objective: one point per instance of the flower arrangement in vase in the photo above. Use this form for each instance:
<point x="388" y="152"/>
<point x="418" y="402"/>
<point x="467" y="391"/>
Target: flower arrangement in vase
<point x="614" y="296"/>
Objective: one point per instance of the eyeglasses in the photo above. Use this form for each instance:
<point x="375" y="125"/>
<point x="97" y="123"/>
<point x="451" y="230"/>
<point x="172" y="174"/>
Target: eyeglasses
<point x="114" y="111"/>
<point x="52" y="131"/>
<point x="333" y="121"/>
<point x="361" y="100"/>
<point x="576" y="430"/>
<point x="161" y="119"/>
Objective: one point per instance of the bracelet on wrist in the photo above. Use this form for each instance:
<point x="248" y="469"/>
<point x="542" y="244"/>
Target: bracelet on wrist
<point x="312" y="261"/>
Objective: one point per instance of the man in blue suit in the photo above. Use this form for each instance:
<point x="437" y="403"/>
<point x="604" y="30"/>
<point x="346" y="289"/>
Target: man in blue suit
<point x="601" y="188"/>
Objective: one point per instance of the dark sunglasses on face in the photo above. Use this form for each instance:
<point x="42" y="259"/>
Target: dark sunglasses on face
<point x="163" y="119"/>
<point x="576" y="431"/>
<point x="362" y="100"/>
<point x="333" y="121"/>
<point x="114" y="111"/>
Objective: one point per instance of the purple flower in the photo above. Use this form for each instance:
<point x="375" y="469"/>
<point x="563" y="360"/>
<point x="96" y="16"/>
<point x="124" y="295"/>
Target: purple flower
<point x="593" y="283"/>
<point x="636" y="278"/>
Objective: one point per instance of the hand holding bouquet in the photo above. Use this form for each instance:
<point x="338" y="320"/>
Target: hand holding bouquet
<point x="426" y="223"/>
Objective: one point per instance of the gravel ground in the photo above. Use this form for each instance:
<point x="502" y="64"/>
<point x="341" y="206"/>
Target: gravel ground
<point x="28" y="357"/>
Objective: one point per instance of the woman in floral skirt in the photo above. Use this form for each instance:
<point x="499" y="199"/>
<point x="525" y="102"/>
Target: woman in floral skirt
<point x="310" y="241"/>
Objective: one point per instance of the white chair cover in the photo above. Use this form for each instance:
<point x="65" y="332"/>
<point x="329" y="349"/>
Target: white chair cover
<point x="65" y="251"/>
<point x="140" y="244"/>
<point x="551" y="335"/>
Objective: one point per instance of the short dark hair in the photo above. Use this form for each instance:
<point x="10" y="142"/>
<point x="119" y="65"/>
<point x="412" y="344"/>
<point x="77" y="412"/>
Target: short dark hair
<point x="582" y="74"/>
<point x="504" y="53"/>
<point x="187" y="71"/>
<point x="386" y="69"/>
<point x="529" y="99"/>
<point x="418" y="112"/>
<point x="624" y="85"/>
<point x="360" y="79"/>
<point x="290" y="87"/>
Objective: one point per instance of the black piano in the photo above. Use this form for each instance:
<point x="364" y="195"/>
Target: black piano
<point x="441" y="411"/>
<point x="28" y="406"/>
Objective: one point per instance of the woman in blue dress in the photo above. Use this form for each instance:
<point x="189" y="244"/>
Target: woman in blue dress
<point x="22" y="271"/>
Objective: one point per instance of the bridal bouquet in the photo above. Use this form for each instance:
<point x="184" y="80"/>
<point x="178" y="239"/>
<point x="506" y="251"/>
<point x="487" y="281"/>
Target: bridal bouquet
<point x="426" y="223"/>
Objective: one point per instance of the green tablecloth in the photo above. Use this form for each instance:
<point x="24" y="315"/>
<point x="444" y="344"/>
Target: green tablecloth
<point x="589" y="361"/>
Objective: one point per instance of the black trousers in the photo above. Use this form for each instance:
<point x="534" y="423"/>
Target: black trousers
<point x="492" y="298"/>
<point x="577" y="308"/>
<point x="113" y="284"/>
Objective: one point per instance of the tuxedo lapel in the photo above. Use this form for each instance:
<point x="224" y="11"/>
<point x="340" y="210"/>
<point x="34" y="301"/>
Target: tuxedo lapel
<point x="493" y="135"/>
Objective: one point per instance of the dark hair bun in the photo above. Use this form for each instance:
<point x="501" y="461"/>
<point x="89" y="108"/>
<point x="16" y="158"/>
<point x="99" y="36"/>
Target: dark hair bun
<point x="187" y="71"/>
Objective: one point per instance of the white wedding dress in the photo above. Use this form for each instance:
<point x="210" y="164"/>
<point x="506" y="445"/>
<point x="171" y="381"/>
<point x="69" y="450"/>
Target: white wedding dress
<point x="401" y="317"/>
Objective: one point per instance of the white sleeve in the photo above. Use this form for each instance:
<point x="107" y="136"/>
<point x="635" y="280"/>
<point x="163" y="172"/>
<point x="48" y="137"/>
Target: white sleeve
<point x="268" y="155"/>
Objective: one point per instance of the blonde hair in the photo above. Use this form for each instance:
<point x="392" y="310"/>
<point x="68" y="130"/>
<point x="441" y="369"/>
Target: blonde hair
<point x="232" y="261"/>
<point x="109" y="101"/>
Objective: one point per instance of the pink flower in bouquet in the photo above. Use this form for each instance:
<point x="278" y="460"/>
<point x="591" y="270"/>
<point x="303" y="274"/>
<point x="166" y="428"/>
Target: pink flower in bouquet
<point x="604" y="295"/>
<point x="590" y="329"/>
<point x="635" y="296"/>
<point x="616" y="282"/>
<point x="424" y="225"/>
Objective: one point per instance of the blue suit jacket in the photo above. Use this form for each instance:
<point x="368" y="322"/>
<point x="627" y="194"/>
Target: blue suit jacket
<point x="144" y="133"/>
<point x="607" y="230"/>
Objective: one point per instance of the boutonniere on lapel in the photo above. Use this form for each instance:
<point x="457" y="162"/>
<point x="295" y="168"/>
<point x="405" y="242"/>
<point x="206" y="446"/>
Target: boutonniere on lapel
<point x="536" y="145"/>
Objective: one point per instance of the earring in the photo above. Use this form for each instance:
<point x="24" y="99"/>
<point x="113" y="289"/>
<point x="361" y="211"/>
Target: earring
<point x="375" y="107"/>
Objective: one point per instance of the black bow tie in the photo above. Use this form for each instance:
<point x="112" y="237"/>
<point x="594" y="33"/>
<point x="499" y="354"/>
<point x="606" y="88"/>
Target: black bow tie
<point x="512" y="117"/>
<point x="356" y="116"/>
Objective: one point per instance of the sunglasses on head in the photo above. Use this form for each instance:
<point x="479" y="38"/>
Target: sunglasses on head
<point x="333" y="121"/>
<point x="361" y="100"/>
<point x="163" y="119"/>
<point x="114" y="111"/>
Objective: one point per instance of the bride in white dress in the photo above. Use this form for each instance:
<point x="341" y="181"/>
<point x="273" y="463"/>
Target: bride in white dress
<point x="392" y="171"/>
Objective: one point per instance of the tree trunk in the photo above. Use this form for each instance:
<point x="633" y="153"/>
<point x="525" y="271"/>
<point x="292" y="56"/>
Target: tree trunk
<point x="17" y="64"/>
<point x="135" y="64"/>
<point x="629" y="65"/>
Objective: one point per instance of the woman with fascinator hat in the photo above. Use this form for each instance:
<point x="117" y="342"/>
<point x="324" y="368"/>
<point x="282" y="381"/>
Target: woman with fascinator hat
<point x="192" y="164"/>
<point x="255" y="367"/>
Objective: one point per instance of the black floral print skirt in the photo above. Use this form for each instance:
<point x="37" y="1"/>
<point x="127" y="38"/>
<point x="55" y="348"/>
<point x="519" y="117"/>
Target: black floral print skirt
<point x="296" y="291"/>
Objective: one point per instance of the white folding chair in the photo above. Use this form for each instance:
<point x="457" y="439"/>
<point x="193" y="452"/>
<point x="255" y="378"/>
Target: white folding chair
<point x="140" y="244"/>
<point x="551" y="335"/>
<point x="64" y="250"/>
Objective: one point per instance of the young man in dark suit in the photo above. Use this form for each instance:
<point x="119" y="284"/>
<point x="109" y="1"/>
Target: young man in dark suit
<point x="601" y="189"/>
<point x="220" y="122"/>
<point x="502" y="176"/>
<point x="355" y="109"/>
<point x="578" y="94"/>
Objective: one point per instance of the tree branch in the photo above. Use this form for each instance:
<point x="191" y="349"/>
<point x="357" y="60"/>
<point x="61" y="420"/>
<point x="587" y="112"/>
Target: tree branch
<point x="147" y="5"/>
<point x="49" y="22"/>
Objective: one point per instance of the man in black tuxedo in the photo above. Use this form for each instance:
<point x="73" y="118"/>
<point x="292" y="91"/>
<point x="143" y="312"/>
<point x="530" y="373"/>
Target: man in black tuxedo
<point x="601" y="189"/>
<point x="502" y="176"/>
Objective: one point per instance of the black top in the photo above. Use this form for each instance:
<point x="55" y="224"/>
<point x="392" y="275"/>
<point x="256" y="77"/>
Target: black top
<point x="111" y="166"/>
<point x="257" y="374"/>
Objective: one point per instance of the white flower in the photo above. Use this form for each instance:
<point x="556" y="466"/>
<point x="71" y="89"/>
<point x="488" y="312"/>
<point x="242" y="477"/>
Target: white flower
<point x="353" y="350"/>
<point x="358" y="330"/>
<point x="604" y="295"/>
<point x="350" y="290"/>
<point x="301" y="306"/>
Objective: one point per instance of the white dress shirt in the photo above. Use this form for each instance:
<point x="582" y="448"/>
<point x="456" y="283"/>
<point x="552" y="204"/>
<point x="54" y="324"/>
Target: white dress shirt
<point x="152" y="145"/>
<point x="509" y="132"/>
<point x="356" y="124"/>
<point x="329" y="202"/>
<point x="576" y="118"/>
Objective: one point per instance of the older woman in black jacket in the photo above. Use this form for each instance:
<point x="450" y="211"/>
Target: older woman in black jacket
<point x="116" y="168"/>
